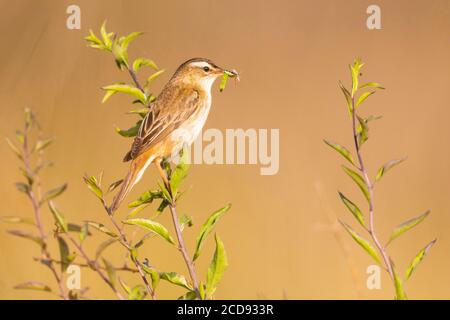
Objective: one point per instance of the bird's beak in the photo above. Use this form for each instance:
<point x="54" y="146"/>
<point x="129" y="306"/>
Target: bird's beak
<point x="231" y="73"/>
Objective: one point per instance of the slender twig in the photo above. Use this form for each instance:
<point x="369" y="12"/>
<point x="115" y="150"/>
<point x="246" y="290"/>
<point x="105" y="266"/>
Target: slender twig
<point x="93" y="264"/>
<point x="126" y="243"/>
<point x="135" y="79"/>
<point x="87" y="265"/>
<point x="369" y="184"/>
<point x="35" y="201"/>
<point x="181" y="245"/>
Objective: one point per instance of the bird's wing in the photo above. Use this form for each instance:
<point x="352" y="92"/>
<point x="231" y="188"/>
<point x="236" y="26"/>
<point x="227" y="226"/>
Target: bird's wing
<point x="174" y="106"/>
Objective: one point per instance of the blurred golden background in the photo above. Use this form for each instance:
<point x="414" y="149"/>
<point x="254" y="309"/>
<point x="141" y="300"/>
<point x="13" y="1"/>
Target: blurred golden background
<point x="291" y="55"/>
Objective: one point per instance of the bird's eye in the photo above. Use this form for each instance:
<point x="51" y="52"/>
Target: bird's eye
<point x="206" y="69"/>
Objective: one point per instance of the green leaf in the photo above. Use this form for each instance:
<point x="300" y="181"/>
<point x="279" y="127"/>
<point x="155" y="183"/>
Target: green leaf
<point x="142" y="240"/>
<point x="131" y="132"/>
<point x="418" y="258"/>
<point x="341" y="149"/>
<point x="146" y="197"/>
<point x="201" y="290"/>
<point x="348" y="98"/>
<point x="137" y="293"/>
<point x="33" y="285"/>
<point x="356" y="212"/>
<point x="111" y="271"/>
<point x="42" y="144"/>
<point x="108" y="94"/>
<point x="92" y="184"/>
<point x="162" y="206"/>
<point x="59" y="218"/>
<point x="362" y="131"/>
<point x="180" y="173"/>
<point x="165" y="193"/>
<point x="400" y="293"/>
<point x="356" y="177"/>
<point x="185" y="220"/>
<point x="124" y="286"/>
<point x="140" y="62"/>
<point x="407" y="225"/>
<point x="101" y="227"/>
<point x="51" y="194"/>
<point x="141" y="112"/>
<point x="84" y="231"/>
<point x="129" y="38"/>
<point x="15" y="219"/>
<point x="114" y="185"/>
<point x="64" y="254"/>
<point x="153" y="77"/>
<point x="362" y="242"/>
<point x="363" y="97"/>
<point x="371" y="85"/>
<point x="176" y="279"/>
<point x="106" y="37"/>
<point x="207" y="228"/>
<point x="102" y="247"/>
<point x="355" y="69"/>
<point x="93" y="38"/>
<point x="190" y="295"/>
<point x="28" y="175"/>
<point x="20" y="137"/>
<point x="151" y="226"/>
<point x="217" y="268"/>
<point x="124" y="88"/>
<point x="136" y="210"/>
<point x="14" y="149"/>
<point x="154" y="275"/>
<point x="386" y="167"/>
<point x="23" y="187"/>
<point x="120" y="54"/>
<point x="29" y="119"/>
<point x="134" y="255"/>
<point x="26" y="235"/>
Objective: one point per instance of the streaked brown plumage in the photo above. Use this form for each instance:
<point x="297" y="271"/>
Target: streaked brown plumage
<point x="175" y="119"/>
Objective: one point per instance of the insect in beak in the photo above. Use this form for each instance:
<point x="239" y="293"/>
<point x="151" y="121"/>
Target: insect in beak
<point x="228" y="74"/>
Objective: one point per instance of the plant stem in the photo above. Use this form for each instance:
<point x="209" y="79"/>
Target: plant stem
<point x="182" y="247"/>
<point x="135" y="79"/>
<point x="35" y="201"/>
<point x="86" y="265"/>
<point x="125" y="243"/>
<point x="369" y="184"/>
<point x="95" y="266"/>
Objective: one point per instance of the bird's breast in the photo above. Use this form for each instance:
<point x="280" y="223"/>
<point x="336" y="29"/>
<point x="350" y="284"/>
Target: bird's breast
<point x="191" y="128"/>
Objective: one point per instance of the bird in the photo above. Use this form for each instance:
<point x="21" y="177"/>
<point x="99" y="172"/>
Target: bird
<point x="174" y="120"/>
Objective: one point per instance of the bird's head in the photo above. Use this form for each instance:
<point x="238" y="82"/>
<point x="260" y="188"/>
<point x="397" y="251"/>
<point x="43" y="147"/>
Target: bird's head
<point x="201" y="72"/>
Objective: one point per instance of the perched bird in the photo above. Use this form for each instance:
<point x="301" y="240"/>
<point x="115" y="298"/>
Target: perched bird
<point x="175" y="119"/>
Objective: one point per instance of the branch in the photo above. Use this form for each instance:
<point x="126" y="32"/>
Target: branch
<point x="35" y="200"/>
<point x="94" y="266"/>
<point x="181" y="245"/>
<point x="135" y="79"/>
<point x="369" y="184"/>
<point x="86" y="265"/>
<point x="125" y="243"/>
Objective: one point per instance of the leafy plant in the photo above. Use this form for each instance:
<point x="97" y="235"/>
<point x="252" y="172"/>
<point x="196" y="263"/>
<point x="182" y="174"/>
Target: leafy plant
<point x="167" y="194"/>
<point x="71" y="237"/>
<point x="359" y="174"/>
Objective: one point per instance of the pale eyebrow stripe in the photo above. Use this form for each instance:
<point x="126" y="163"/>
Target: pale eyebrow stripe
<point x="200" y="64"/>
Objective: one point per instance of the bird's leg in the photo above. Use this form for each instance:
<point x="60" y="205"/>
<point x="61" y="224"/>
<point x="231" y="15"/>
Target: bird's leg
<point x="161" y="171"/>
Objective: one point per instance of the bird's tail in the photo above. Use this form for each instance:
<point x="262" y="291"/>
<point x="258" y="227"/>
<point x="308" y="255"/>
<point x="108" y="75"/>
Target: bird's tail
<point x="137" y="168"/>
